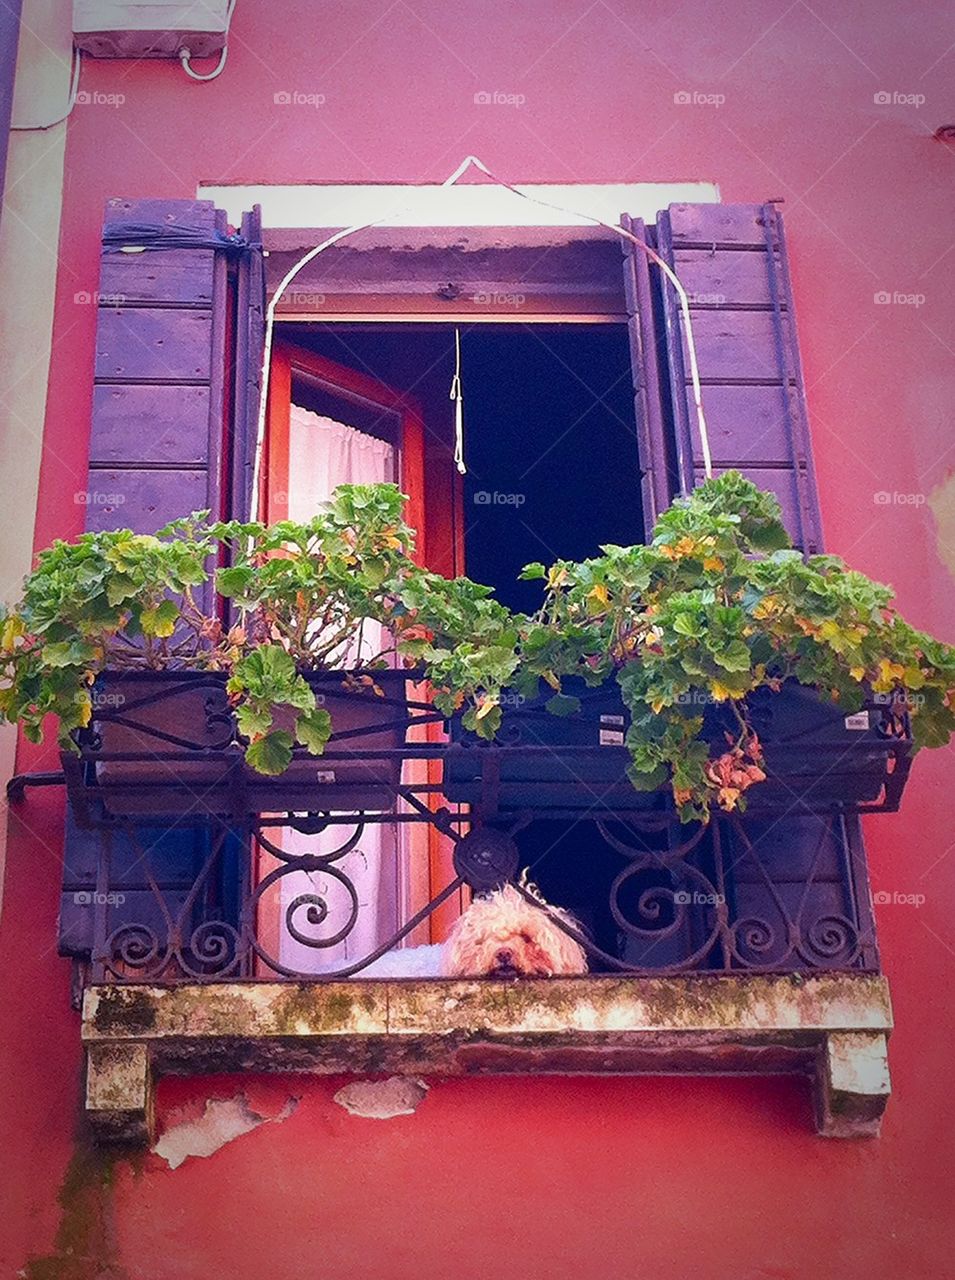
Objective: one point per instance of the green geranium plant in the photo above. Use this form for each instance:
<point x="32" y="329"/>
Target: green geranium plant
<point x="303" y="596"/>
<point x="720" y="605"/>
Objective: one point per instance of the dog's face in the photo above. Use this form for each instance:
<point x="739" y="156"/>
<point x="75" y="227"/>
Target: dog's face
<point x="502" y="936"/>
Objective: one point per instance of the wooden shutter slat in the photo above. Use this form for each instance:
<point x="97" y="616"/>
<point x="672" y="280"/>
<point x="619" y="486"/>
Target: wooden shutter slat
<point x="168" y="345"/>
<point x="145" y="500"/>
<point x="766" y="443"/>
<point x="159" y="276"/>
<point x="172" y="424"/>
<point x="710" y="226"/>
<point x="716" y="277"/>
<point x="740" y="346"/>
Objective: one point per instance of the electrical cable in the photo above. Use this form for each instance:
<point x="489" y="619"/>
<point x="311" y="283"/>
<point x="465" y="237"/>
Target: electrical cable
<point x="71" y="101"/>
<point x="458" y="397"/>
<point x="185" y="54"/>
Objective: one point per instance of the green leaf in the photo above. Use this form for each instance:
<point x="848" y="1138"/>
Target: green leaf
<point x="269" y="673"/>
<point x="253" y="720"/>
<point x="735" y="656"/>
<point x="531" y="572"/>
<point x="486" y="725"/>
<point x="161" y="621"/>
<point x="235" y="581"/>
<point x="687" y="625"/>
<point x="120" y="588"/>
<point x="271" y="754"/>
<point x="67" y="653"/>
<point x="645" y="755"/>
<point x="191" y="573"/>
<point x="649" y="780"/>
<point x="562" y="704"/>
<point x="313" y="729"/>
<point x="766" y="535"/>
<point x="374" y="571"/>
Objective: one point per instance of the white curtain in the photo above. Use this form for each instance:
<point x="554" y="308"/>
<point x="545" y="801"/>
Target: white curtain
<point x="324" y="453"/>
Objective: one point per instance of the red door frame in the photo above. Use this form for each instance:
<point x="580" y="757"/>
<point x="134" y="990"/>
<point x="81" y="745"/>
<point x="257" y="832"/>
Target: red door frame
<point x="286" y="359"/>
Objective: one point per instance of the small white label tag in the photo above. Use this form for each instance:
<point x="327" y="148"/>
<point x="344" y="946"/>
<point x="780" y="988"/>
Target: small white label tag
<point x="611" y="731"/>
<point x="325" y="775"/>
<point x="858" y="721"/>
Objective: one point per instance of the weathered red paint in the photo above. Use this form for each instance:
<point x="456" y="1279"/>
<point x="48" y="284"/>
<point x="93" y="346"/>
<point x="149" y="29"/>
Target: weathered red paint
<point x="561" y="1177"/>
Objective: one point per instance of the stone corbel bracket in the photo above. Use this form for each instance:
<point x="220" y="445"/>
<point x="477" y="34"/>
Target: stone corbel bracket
<point x="832" y="1028"/>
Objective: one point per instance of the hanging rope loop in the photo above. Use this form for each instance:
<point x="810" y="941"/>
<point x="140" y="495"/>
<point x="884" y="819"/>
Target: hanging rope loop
<point x="458" y="397"/>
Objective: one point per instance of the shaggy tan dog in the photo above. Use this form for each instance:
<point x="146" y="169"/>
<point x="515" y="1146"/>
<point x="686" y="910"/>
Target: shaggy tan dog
<point x="502" y="935"/>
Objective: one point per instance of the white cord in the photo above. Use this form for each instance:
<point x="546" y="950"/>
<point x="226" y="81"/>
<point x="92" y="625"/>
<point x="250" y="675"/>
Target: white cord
<point x="449" y="182"/>
<point x="458" y="398"/>
<point x="270" y="322"/>
<point x="185" y="54"/>
<point x="71" y="102"/>
<point x="667" y="271"/>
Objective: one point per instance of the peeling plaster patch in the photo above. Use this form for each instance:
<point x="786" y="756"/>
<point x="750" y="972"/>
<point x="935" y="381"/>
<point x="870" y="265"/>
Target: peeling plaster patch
<point x="942" y="502"/>
<point x="223" y="1120"/>
<point x="382" y="1099"/>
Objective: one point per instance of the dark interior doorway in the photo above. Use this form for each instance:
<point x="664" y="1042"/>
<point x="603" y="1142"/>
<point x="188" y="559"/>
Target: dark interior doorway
<point x="551" y="449"/>
<point x="550" y="437"/>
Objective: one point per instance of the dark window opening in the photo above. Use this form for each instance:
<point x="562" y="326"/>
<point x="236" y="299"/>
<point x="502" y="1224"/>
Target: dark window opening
<point x="551" y="450"/>
<point x="549" y="434"/>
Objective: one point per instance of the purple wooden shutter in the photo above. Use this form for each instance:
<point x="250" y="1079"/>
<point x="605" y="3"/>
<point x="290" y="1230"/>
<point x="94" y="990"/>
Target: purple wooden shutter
<point x="178" y="348"/>
<point x="731" y="259"/>
<point x="159" y="383"/>
<point x="798" y="892"/>
<point x="655" y="454"/>
<point x="106" y="874"/>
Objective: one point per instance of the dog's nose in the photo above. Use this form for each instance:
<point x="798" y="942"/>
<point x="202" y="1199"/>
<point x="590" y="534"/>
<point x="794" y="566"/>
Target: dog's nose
<point x="504" y="958"/>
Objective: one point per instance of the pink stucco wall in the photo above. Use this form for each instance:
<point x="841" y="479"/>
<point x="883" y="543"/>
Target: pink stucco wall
<point x="558" y="1178"/>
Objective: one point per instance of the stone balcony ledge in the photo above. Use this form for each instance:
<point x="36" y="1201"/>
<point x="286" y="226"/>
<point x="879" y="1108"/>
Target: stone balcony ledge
<point x="832" y="1028"/>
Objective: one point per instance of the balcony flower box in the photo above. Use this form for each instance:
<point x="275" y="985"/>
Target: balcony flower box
<point x="815" y="756"/>
<point x="162" y="743"/>
<point x="273" y="683"/>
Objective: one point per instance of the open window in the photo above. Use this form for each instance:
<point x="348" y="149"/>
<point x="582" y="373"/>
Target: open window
<point x="578" y="430"/>
<point x="553" y="466"/>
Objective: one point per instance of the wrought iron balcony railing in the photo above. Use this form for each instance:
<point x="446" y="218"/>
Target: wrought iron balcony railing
<point x="194" y="870"/>
<point x="735" y="897"/>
